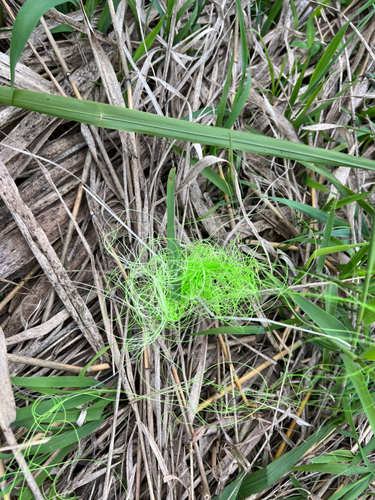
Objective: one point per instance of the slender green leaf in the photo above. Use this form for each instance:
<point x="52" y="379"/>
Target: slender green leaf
<point x="351" y="199"/>
<point x="264" y="478"/>
<point x="66" y="438"/>
<point x="329" y="250"/>
<point x="216" y="180"/>
<point x="354" y="490"/>
<point x="351" y="268"/>
<point x="173" y="246"/>
<point x="230" y="491"/>
<point x="185" y="29"/>
<point x="48" y="382"/>
<point x="105" y="19"/>
<point x="332" y="468"/>
<point x="149" y="40"/>
<point x="312" y="212"/>
<point x="330" y="325"/>
<point x="118" y="118"/>
<point x="314" y="184"/>
<point x="369" y="272"/>
<point x="310" y="31"/>
<point x="224" y="96"/>
<point x="62" y="28"/>
<point x="326" y="238"/>
<point x="324" y="63"/>
<point x="354" y="371"/>
<point x="26" y="20"/>
<point x="233" y="330"/>
<point x="273" y="13"/>
<point x="369" y="314"/>
<point x="337" y="456"/>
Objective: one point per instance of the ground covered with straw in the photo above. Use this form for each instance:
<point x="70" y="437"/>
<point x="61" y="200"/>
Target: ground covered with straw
<point x="186" y="290"/>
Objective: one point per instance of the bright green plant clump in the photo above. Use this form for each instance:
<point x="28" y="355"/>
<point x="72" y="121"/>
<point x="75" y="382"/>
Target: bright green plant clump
<point x="214" y="282"/>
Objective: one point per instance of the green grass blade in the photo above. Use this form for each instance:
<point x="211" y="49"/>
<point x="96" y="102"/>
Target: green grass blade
<point x="45" y="471"/>
<point x="224" y="96"/>
<point x="233" y="330"/>
<point x="273" y="13"/>
<point x="325" y="61"/>
<point x="230" y="491"/>
<point x="173" y="246"/>
<point x="149" y="40"/>
<point x="36" y="383"/>
<point x="355" y="373"/>
<point x="369" y="314"/>
<point x="262" y="479"/>
<point x="105" y="19"/>
<point x="314" y="213"/>
<point x="185" y="29"/>
<point x="352" y="491"/>
<point x="321" y="252"/>
<point x="369" y="272"/>
<point x="310" y="32"/>
<point x="326" y="238"/>
<point x="337" y="469"/>
<point x="330" y="325"/>
<point x="116" y="118"/>
<point x="67" y="438"/>
<point x="352" y="266"/>
<point x="26" y="20"/>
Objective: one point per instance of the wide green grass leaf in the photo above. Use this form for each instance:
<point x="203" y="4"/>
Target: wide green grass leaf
<point x="117" y="118"/>
<point x="329" y="324"/>
<point x="48" y="382"/>
<point x="355" y="373"/>
<point x="26" y="20"/>
<point x="262" y="479"/>
<point x="66" y="438"/>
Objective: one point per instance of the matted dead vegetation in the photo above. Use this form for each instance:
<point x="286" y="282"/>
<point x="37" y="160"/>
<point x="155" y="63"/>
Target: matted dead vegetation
<point x="188" y="416"/>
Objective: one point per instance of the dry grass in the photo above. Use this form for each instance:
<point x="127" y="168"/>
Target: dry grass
<point x="170" y="430"/>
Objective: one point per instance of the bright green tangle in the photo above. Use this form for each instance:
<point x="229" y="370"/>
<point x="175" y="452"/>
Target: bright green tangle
<point x="214" y="282"/>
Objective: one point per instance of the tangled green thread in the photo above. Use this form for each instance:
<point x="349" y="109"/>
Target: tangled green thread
<point x="212" y="281"/>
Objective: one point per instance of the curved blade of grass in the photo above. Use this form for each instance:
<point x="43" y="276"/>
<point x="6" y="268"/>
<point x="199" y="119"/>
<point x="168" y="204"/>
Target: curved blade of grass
<point x="67" y="438"/>
<point x="366" y="284"/>
<point x="149" y="40"/>
<point x="105" y="19"/>
<point x="116" y="118"/>
<point x="43" y="474"/>
<point x="314" y="184"/>
<point x="355" y="374"/>
<point x="325" y="62"/>
<point x="312" y="212"/>
<point x="353" y="491"/>
<point x="262" y="479"/>
<point x="224" y="96"/>
<point x="230" y="491"/>
<point x="26" y="493"/>
<point x="66" y="403"/>
<point x="353" y="265"/>
<point x="329" y="250"/>
<point x="273" y="13"/>
<point x="369" y="314"/>
<point x="184" y="30"/>
<point x="330" y="325"/>
<point x="26" y="20"/>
